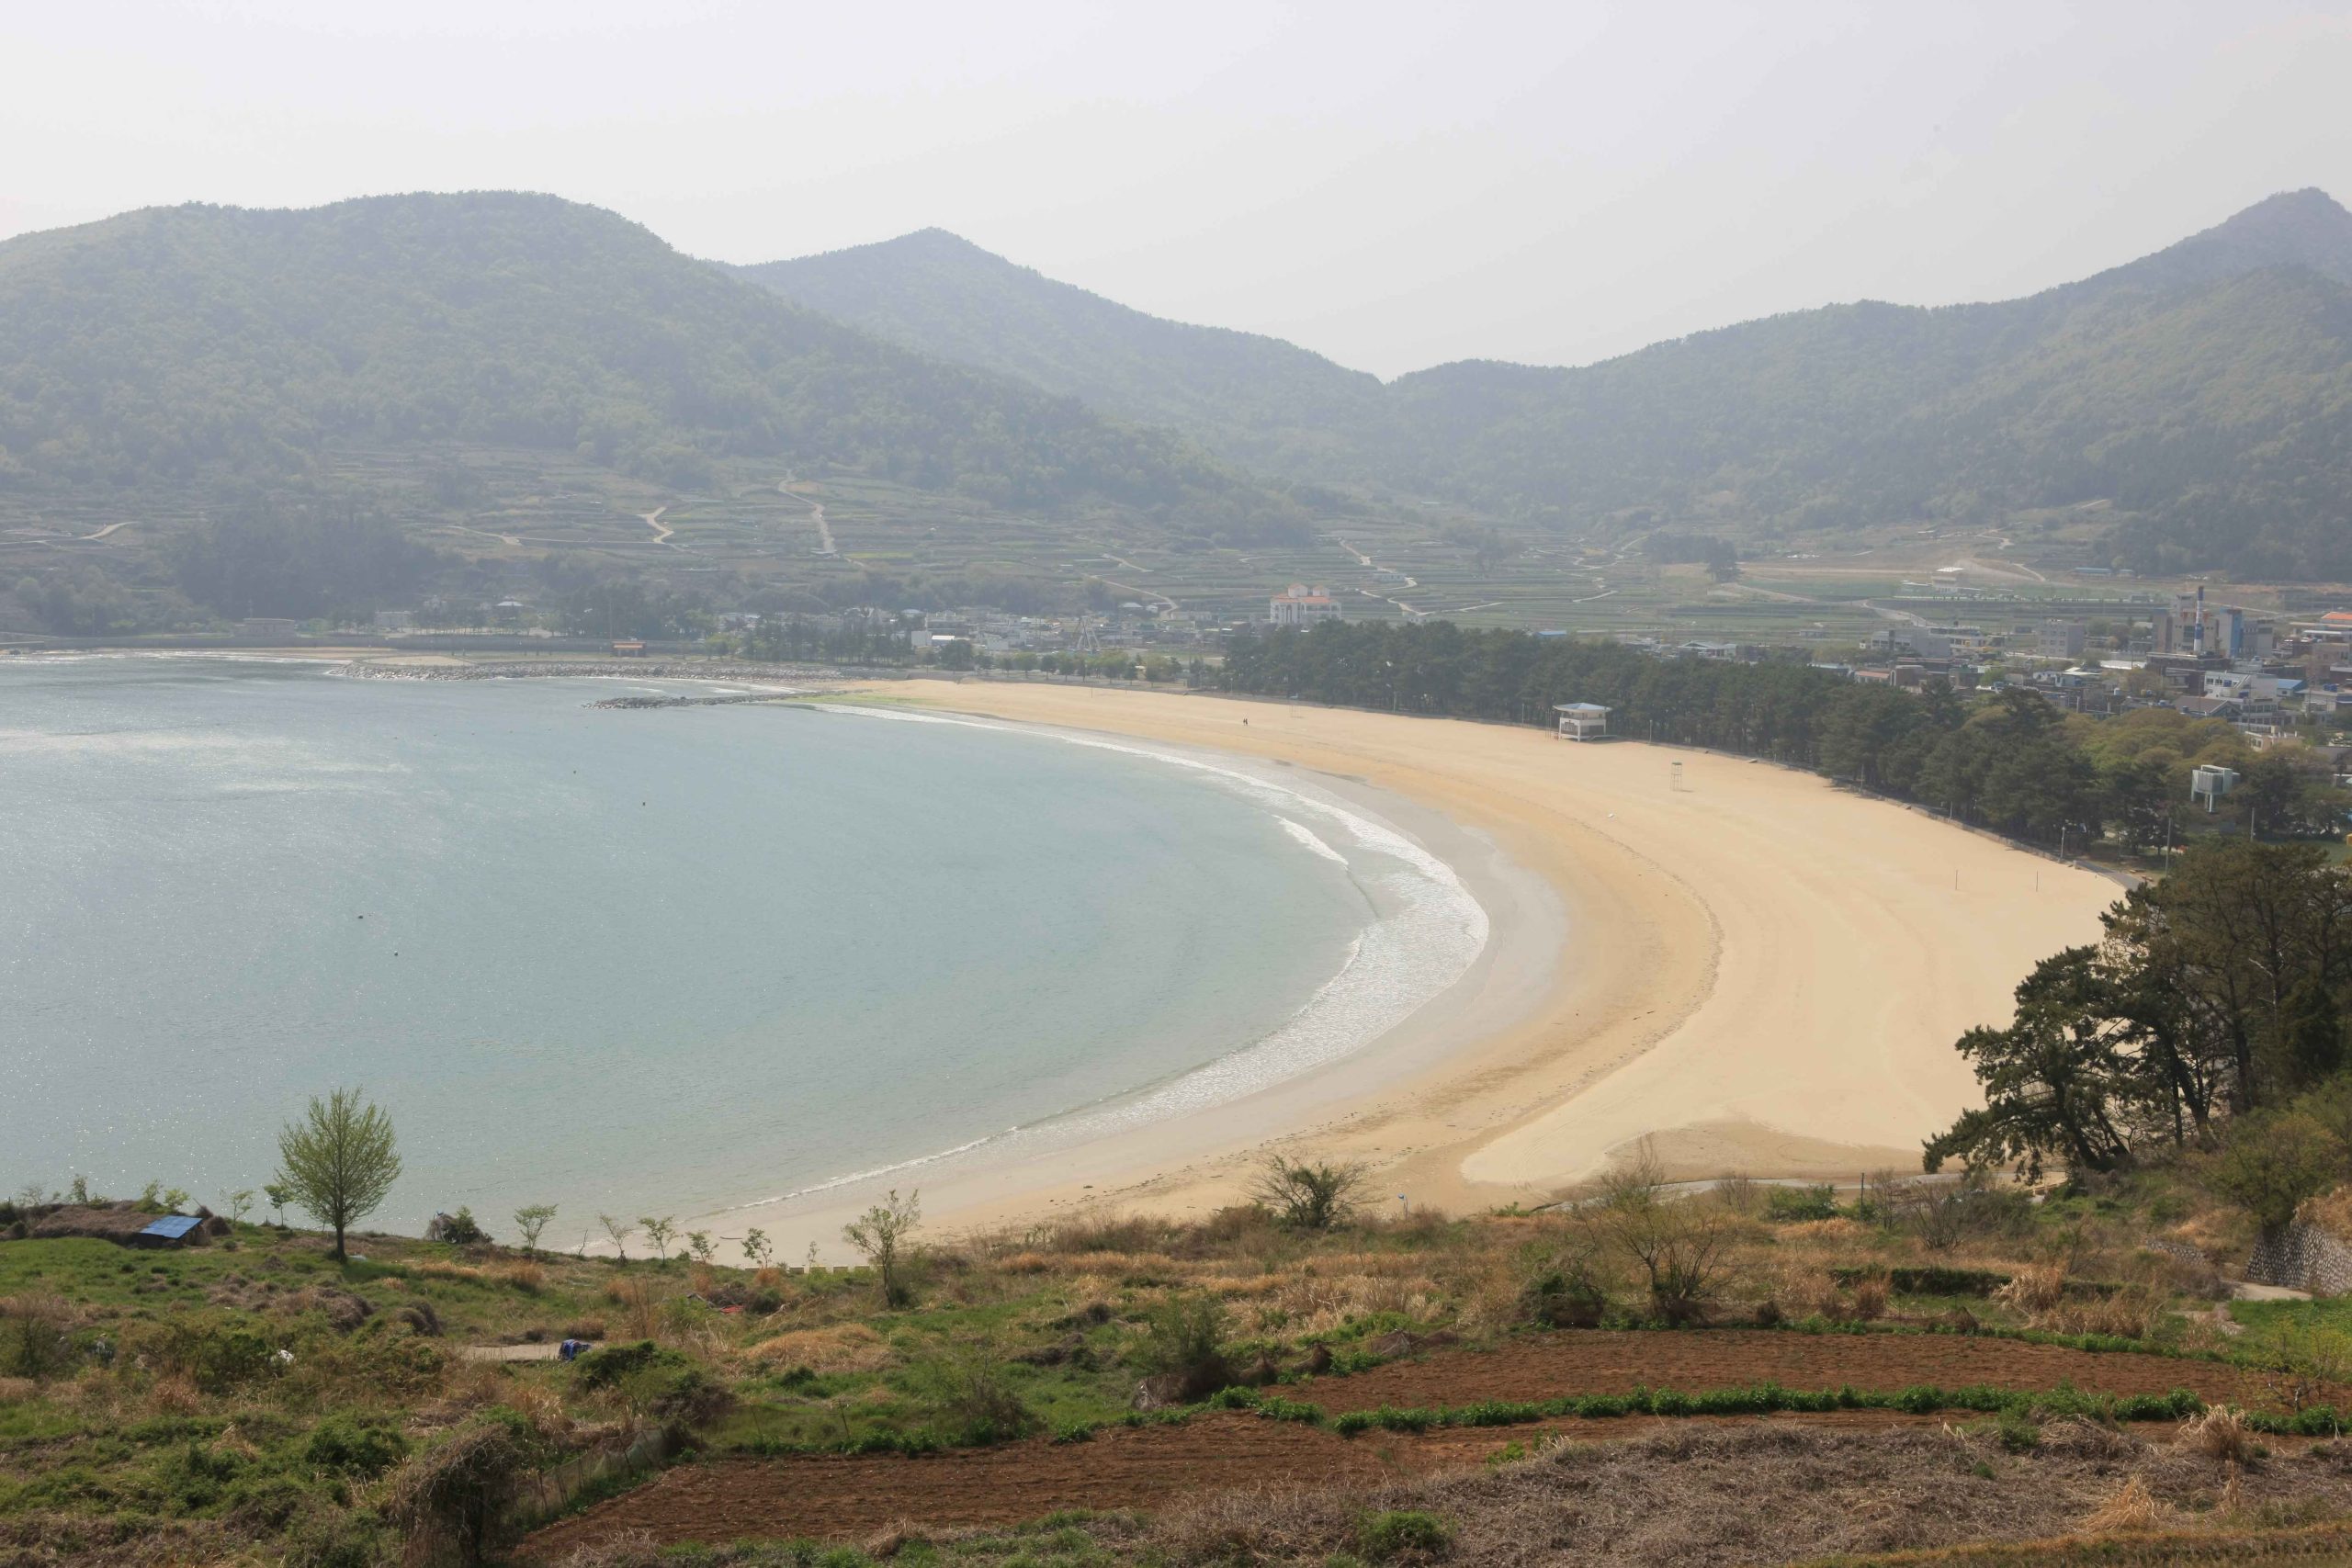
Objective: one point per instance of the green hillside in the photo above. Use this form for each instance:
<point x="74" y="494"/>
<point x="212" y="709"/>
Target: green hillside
<point x="2207" y="389"/>
<point x="168" y="346"/>
<point x="1257" y="400"/>
<point x="2203" y="393"/>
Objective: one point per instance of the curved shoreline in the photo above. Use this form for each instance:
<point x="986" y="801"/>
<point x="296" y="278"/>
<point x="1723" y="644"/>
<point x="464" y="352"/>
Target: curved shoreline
<point x="1428" y="928"/>
<point x="1765" y="973"/>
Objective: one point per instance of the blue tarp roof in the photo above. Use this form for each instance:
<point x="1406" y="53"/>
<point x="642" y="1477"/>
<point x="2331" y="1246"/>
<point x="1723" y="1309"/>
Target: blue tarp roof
<point x="171" y="1227"/>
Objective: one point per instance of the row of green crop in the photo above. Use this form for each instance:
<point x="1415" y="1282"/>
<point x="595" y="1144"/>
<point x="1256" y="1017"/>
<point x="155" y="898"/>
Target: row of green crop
<point x="1767" y="1398"/>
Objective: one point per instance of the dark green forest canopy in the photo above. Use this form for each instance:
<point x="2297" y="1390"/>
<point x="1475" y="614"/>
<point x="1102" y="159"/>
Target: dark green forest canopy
<point x="173" y="345"/>
<point x="2008" y="760"/>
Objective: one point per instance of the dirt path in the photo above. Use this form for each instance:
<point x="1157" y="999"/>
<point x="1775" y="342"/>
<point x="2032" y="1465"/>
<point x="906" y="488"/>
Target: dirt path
<point x="825" y="545"/>
<point x="662" y="531"/>
<point x="1146" y="594"/>
<point x="103" y="532"/>
<point x="1365" y="561"/>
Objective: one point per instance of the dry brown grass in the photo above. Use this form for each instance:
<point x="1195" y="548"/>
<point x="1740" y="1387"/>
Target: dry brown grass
<point x="1806" y="1289"/>
<point x="543" y="1408"/>
<point x="2035" y="1290"/>
<point x="843" y="1347"/>
<point x="176" y="1395"/>
<point x="1314" y="1303"/>
<point x="2131" y="1507"/>
<point x="2220" y="1433"/>
<point x="523" y="1276"/>
<point x="15" y="1391"/>
<point x="640" y="1301"/>
<point x="2128" y="1313"/>
<point x="467" y="1386"/>
<point x="436" y="1269"/>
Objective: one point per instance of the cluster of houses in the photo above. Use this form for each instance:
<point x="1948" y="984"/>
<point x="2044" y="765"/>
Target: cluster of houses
<point x="2267" y="676"/>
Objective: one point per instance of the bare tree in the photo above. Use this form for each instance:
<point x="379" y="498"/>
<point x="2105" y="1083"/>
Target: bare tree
<point x="1681" y="1245"/>
<point x="1312" y="1197"/>
<point x="619" y="1230"/>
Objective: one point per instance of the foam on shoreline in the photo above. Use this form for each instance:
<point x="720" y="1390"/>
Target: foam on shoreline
<point x="1426" y="929"/>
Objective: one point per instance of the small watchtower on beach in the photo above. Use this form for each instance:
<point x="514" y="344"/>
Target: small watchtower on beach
<point x="1582" y="721"/>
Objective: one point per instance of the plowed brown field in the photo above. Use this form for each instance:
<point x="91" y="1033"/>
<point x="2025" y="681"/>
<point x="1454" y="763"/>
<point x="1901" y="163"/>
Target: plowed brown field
<point x="1604" y="1362"/>
<point x="1148" y="1467"/>
<point x="845" y="1497"/>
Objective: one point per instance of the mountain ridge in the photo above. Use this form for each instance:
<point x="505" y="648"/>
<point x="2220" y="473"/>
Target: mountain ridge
<point x="151" y="347"/>
<point x="1834" y="416"/>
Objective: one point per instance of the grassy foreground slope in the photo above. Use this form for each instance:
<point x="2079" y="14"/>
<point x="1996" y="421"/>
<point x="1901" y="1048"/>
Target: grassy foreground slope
<point x="253" y="1401"/>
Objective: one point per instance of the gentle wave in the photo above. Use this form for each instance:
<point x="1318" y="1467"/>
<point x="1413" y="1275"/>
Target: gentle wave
<point x="1305" y="837"/>
<point x="1398" y="962"/>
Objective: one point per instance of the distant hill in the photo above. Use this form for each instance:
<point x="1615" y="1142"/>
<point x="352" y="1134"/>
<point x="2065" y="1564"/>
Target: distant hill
<point x="2205" y="391"/>
<point x="168" y="345"/>
<point x="1257" y="400"/>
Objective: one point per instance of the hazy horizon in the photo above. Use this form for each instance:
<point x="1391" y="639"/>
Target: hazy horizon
<point x="1391" y="190"/>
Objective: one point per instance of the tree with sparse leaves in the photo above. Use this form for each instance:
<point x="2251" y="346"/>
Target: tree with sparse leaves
<point x="881" y="1234"/>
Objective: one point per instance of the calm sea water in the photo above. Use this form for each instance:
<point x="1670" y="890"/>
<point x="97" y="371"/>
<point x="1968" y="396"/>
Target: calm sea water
<point x="639" y="961"/>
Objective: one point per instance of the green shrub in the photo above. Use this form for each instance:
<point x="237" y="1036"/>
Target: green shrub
<point x="343" y="1445"/>
<point x="331" y="1538"/>
<point x="604" y="1368"/>
<point x="1784" y="1205"/>
<point x="969" y="1392"/>
<point x="1187" y="1345"/>
<point x="35" y="1334"/>
<point x="1402" y="1532"/>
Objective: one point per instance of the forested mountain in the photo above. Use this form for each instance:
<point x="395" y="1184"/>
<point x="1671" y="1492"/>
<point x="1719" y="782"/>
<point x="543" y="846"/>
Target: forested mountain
<point x="169" y="346"/>
<point x="2204" y="391"/>
<point x="1255" y="400"/>
<point x="2207" y="389"/>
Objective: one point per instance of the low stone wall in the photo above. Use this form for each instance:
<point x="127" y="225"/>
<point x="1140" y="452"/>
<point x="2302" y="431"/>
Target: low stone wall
<point x="2302" y="1257"/>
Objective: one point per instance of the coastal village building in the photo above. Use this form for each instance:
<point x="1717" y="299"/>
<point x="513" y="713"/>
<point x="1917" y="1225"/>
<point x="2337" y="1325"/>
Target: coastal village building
<point x="1583" y="721"/>
<point x="1299" y="605"/>
<point x="2062" y="639"/>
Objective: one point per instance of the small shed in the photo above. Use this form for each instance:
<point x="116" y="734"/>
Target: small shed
<point x="171" y="1230"/>
<point x="1582" y="721"/>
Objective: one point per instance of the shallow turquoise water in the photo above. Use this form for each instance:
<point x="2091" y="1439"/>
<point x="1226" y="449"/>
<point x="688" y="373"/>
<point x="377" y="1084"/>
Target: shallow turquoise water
<point x="641" y="962"/>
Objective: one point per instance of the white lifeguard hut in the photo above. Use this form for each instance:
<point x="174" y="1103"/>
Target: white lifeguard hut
<point x="1582" y="721"/>
<point x="2209" y="784"/>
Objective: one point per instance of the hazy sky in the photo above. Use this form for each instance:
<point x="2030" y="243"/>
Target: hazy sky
<point x="1395" y="185"/>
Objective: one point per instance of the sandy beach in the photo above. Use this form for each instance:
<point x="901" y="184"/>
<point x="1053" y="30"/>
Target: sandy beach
<point x="1760" y="970"/>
